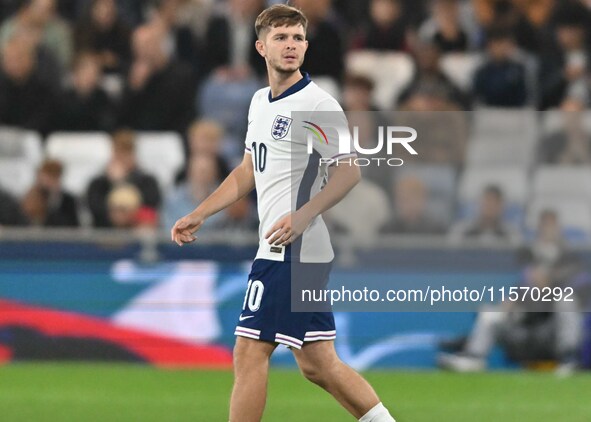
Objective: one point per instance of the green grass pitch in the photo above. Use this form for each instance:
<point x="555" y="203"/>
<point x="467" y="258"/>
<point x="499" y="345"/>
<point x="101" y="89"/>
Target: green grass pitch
<point x="81" y="392"/>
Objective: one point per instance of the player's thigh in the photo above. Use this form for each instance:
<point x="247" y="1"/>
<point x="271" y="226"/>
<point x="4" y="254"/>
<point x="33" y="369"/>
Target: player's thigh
<point x="249" y="352"/>
<point x="314" y="358"/>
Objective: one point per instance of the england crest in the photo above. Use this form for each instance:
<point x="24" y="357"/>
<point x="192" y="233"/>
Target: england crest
<point x="280" y="127"/>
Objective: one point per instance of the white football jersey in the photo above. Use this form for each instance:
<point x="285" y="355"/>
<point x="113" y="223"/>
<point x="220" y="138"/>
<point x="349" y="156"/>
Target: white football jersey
<point x="286" y="175"/>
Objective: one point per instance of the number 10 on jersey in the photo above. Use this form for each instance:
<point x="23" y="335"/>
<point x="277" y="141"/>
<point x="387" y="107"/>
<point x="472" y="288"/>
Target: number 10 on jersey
<point x="259" y="156"/>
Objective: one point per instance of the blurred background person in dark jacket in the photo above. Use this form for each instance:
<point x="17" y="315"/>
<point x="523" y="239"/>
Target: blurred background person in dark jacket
<point x="122" y="169"/>
<point x="46" y="203"/>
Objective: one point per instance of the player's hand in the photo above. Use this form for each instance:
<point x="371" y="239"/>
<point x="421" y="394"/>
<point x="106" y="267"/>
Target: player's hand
<point x="288" y="229"/>
<point x="184" y="229"/>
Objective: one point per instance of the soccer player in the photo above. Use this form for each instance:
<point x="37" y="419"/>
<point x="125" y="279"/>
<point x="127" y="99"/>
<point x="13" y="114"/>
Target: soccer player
<point x="282" y="170"/>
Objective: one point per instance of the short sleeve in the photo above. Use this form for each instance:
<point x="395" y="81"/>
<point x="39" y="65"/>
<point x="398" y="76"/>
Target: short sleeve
<point x="247" y="148"/>
<point x="330" y="127"/>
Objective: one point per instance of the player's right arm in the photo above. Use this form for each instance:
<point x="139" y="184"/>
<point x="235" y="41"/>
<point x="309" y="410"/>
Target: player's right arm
<point x="239" y="183"/>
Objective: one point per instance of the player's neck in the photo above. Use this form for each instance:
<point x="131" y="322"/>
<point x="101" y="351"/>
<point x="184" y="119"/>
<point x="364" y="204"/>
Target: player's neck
<point x="280" y="82"/>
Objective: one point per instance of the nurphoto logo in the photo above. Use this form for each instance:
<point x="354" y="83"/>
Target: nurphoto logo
<point x="388" y="137"/>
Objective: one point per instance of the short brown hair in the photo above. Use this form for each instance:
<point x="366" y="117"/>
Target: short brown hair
<point x="280" y="15"/>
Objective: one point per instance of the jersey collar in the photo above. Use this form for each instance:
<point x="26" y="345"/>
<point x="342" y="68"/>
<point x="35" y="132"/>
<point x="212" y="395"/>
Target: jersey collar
<point x="298" y="86"/>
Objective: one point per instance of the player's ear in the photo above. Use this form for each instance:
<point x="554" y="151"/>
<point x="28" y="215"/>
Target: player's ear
<point x="260" y="46"/>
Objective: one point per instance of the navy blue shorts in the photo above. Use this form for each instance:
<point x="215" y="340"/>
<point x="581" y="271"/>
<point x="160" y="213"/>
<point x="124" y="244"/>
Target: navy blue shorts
<point x="266" y="313"/>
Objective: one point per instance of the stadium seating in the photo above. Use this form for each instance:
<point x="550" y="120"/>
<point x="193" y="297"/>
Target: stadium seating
<point x="574" y="216"/>
<point x="389" y="71"/>
<point x="553" y="121"/>
<point x="562" y="182"/>
<point x="20" y="155"/>
<point x="354" y="211"/>
<point x="460" y="68"/>
<point x="532" y="77"/>
<point x="83" y="154"/>
<point x="498" y="123"/>
<point x="161" y="154"/>
<point x="513" y="182"/>
<point x="513" y="152"/>
<point x="227" y="103"/>
<point x="441" y="182"/>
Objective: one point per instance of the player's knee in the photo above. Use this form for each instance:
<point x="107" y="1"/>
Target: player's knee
<point x="317" y="372"/>
<point x="313" y="374"/>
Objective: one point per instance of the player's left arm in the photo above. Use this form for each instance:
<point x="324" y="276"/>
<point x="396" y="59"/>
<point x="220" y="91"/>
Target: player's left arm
<point x="342" y="178"/>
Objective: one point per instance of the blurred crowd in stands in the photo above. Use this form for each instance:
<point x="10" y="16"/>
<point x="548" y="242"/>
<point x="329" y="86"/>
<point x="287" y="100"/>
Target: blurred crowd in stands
<point x="497" y="89"/>
<point x="128" y="113"/>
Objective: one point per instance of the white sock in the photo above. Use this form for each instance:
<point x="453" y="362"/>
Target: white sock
<point x="378" y="413"/>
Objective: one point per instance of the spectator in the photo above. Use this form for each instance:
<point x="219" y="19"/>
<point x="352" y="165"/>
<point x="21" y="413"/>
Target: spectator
<point x="205" y="171"/>
<point x="46" y="203"/>
<point x="443" y="132"/>
<point x="357" y="93"/>
<point x="350" y="216"/>
<point x="122" y="169"/>
<point x="235" y="69"/>
<point x="39" y="19"/>
<point x="11" y="213"/>
<point x="230" y="39"/>
<point x="26" y="100"/>
<point x="443" y="135"/>
<point x="159" y="91"/>
<point x="411" y="211"/>
<point x="69" y="9"/>
<point x="549" y="248"/>
<point x="132" y="11"/>
<point x="415" y="12"/>
<point x="103" y="32"/>
<point x="325" y="53"/>
<point x="501" y="80"/>
<point x="571" y="143"/>
<point x="530" y="330"/>
<point x="444" y="28"/>
<point x="355" y="13"/>
<point x="488" y="228"/>
<point x="179" y="37"/>
<point x="564" y="72"/>
<point x="357" y="101"/>
<point x="86" y="106"/>
<point x="386" y="29"/>
<point x="124" y="203"/>
<point x="241" y="215"/>
<point x="431" y="89"/>
<point x="526" y="19"/>
<point x="205" y="138"/>
<point x="203" y="179"/>
<point x="195" y="14"/>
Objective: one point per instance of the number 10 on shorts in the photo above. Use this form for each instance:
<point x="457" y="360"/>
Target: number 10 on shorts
<point x="253" y="296"/>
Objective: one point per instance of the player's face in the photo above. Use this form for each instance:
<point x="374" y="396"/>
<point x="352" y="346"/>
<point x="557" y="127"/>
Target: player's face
<point x="284" y="48"/>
